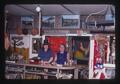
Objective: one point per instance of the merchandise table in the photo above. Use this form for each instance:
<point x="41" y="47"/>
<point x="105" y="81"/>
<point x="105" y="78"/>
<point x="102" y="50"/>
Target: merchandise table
<point x="39" y="69"/>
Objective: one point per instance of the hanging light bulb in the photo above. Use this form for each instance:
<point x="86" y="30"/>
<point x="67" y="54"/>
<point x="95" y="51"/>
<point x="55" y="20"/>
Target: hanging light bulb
<point x="38" y="9"/>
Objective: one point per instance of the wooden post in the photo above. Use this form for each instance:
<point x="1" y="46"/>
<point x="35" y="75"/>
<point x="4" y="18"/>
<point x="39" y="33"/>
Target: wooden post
<point x="76" y="73"/>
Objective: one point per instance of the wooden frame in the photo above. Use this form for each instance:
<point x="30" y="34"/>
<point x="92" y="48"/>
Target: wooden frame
<point x="70" y="21"/>
<point x="36" y="38"/>
<point x="48" y="22"/>
<point x="110" y="70"/>
<point x="27" y="22"/>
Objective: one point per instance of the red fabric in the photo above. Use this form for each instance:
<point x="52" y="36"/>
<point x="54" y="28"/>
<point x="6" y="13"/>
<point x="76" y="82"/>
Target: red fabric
<point x="55" y="42"/>
<point x="102" y="76"/>
<point x="97" y="55"/>
<point x="96" y="52"/>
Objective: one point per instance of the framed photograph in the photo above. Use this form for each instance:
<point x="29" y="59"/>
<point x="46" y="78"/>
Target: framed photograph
<point x="80" y="49"/>
<point x="70" y="21"/>
<point x="110" y="72"/>
<point x="36" y="45"/>
<point x="27" y="22"/>
<point x="112" y="50"/>
<point x="48" y="22"/>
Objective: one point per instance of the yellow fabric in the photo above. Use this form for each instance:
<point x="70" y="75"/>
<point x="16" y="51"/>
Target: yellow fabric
<point x="79" y="54"/>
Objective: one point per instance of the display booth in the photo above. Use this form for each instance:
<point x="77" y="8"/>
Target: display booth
<point x="98" y="47"/>
<point x="82" y="59"/>
<point x="103" y="54"/>
<point x="93" y="56"/>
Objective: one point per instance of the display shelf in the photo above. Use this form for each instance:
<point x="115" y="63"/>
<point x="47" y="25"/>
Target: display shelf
<point x="41" y="66"/>
<point x="109" y="65"/>
<point x="16" y="71"/>
<point x="32" y="76"/>
<point x="42" y="73"/>
<point x="14" y="68"/>
<point x="38" y="69"/>
<point x="14" y="76"/>
<point x="16" y="64"/>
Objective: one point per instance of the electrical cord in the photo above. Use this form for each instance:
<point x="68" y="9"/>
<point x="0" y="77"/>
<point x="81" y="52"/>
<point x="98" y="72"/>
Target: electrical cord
<point x="95" y="13"/>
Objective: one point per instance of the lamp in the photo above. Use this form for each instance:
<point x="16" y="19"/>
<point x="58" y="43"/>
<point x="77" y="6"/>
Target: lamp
<point x="38" y="9"/>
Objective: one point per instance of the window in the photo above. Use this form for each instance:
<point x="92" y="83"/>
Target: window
<point x="70" y="21"/>
<point x="48" y="21"/>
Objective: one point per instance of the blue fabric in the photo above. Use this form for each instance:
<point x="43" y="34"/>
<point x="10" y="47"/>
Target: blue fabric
<point x="61" y="58"/>
<point x="45" y="56"/>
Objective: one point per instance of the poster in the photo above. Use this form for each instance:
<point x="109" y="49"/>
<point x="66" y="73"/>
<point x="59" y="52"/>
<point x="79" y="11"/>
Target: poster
<point x="36" y="45"/>
<point x="80" y="49"/>
<point x="20" y="45"/>
<point x="55" y="42"/>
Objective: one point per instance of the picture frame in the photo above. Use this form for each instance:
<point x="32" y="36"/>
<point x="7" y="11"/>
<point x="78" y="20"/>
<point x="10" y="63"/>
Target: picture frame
<point x="48" y="22"/>
<point x="36" y="45"/>
<point x="70" y="21"/>
<point x="110" y="72"/>
<point x="82" y="57"/>
<point x="27" y="22"/>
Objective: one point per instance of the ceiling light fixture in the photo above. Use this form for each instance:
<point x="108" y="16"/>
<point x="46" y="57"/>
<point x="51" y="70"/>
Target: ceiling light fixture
<point x="38" y="9"/>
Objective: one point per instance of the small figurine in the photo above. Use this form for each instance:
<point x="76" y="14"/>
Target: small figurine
<point x="99" y="72"/>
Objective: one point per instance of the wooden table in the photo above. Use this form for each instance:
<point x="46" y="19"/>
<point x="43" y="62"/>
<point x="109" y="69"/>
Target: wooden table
<point x="46" y="67"/>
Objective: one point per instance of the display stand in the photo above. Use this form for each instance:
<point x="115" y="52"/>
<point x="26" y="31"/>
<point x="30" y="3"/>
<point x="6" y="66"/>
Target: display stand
<point x="108" y="68"/>
<point x="43" y="70"/>
<point x="91" y="54"/>
<point x="29" y="40"/>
